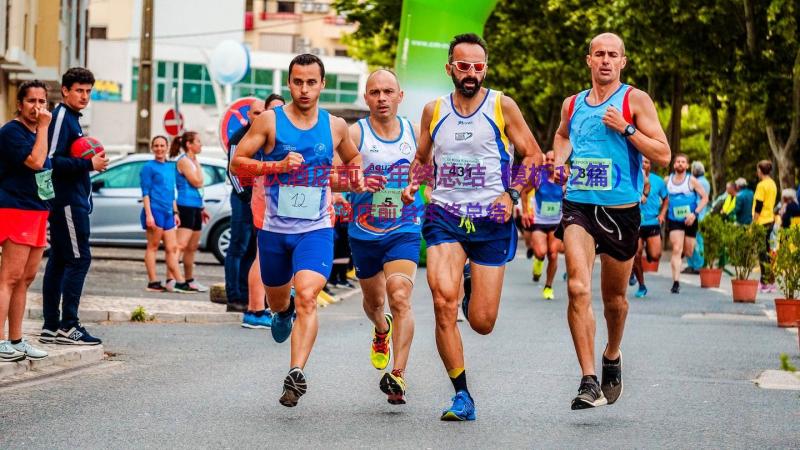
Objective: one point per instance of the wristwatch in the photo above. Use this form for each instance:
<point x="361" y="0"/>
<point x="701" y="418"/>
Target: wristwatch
<point x="629" y="130"/>
<point x="514" y="194"/>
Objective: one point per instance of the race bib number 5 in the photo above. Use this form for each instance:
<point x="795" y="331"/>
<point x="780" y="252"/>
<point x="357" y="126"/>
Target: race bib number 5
<point x="387" y="204"/>
<point x="299" y="202"/>
<point x="592" y="174"/>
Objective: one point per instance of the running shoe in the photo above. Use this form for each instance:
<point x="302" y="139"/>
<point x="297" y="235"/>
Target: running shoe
<point x="351" y="274"/>
<point x="294" y="386"/>
<point x="328" y="298"/>
<point x="381" y="352"/>
<point x="10" y="354"/>
<point x="48" y="336"/>
<point x="183" y="288"/>
<point x="345" y="285"/>
<point x="30" y="351"/>
<point x="676" y="287"/>
<point x="565" y="276"/>
<point x="197" y="286"/>
<point x="642" y="292"/>
<point x="282" y="322"/>
<point x="155" y="286"/>
<point x="253" y="321"/>
<point x="538" y="265"/>
<point x="169" y="286"/>
<point x="463" y="408"/>
<point x="611" y="384"/>
<point x="76" y="335"/>
<point x="394" y="386"/>
<point x="547" y="293"/>
<point x="766" y="288"/>
<point x="632" y="280"/>
<point x="529" y="253"/>
<point x="589" y="395"/>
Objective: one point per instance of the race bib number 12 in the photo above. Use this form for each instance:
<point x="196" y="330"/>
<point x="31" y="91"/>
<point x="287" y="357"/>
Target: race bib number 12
<point x="299" y="202"/>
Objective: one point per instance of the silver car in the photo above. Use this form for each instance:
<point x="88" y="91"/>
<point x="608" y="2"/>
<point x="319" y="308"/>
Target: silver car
<point x="118" y="204"/>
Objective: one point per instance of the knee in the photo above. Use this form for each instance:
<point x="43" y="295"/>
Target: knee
<point x="305" y="301"/>
<point x="577" y="291"/>
<point x="171" y="249"/>
<point x="12" y="277"/>
<point x="481" y="323"/>
<point x="399" y="295"/>
<point x="552" y="254"/>
<point x="445" y="311"/>
<point x="539" y="253"/>
<point x="615" y="304"/>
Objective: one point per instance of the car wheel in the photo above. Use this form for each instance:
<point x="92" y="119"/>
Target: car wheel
<point x="220" y="240"/>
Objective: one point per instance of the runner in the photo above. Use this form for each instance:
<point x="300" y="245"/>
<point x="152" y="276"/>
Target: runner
<point x="25" y="188"/>
<point x="655" y="191"/>
<point x="189" y="181"/>
<point x="160" y="215"/>
<point x="467" y="133"/>
<point x="292" y="210"/>
<point x="681" y="210"/>
<point x="544" y="219"/>
<point x="603" y="131"/>
<point x="70" y="255"/>
<point x="385" y="239"/>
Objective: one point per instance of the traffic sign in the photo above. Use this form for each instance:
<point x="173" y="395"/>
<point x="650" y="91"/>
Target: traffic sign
<point x="234" y="118"/>
<point x="173" y="123"/>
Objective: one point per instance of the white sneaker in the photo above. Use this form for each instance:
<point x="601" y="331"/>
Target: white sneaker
<point x="10" y="354"/>
<point x="170" y="286"/>
<point x="197" y="286"/>
<point x="30" y="351"/>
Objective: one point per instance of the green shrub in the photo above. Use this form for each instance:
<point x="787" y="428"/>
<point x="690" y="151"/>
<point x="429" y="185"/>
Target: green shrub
<point x="713" y="230"/>
<point x="139" y="314"/>
<point x="787" y="262"/>
<point x="743" y="245"/>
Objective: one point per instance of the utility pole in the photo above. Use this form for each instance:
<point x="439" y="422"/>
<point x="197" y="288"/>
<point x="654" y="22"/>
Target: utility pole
<point x="144" y="93"/>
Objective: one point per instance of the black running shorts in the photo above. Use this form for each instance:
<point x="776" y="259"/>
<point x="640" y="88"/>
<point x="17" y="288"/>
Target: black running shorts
<point x="615" y="230"/>
<point x="675" y="225"/>
<point x="648" y="231"/>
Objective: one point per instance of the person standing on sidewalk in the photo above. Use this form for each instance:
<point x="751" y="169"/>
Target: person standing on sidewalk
<point x="70" y="255"/>
<point x="695" y="262"/>
<point x="189" y="182"/>
<point x="25" y="188"/>
<point x="764" y="215"/>
<point x="743" y="211"/>
<point x="160" y="215"/>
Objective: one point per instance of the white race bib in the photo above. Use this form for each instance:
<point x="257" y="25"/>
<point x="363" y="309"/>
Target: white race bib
<point x="680" y="212"/>
<point x="387" y="204"/>
<point x="299" y="202"/>
<point x="550" y="209"/>
<point x="591" y="174"/>
<point x="462" y="172"/>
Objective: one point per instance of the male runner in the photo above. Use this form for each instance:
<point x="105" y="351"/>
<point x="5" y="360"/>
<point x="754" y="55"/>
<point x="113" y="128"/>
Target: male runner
<point x="293" y="210"/>
<point x="655" y="191"/>
<point x="603" y="131"/>
<point x="544" y="219"/>
<point x="384" y="237"/>
<point x="70" y="255"/>
<point x="467" y="133"/>
<point x="681" y="210"/>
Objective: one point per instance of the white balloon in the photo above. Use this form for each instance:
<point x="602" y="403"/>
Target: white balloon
<point x="230" y="62"/>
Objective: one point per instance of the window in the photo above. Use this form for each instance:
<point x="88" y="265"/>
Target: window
<point x="286" y="7"/>
<point x="338" y="88"/>
<point x="213" y="175"/>
<point x="166" y="78"/>
<point x="122" y="176"/>
<point x="256" y="83"/>
<point x="197" y="87"/>
<point x="340" y="52"/>
<point x="98" y="32"/>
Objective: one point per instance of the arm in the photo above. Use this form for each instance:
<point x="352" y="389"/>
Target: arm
<point x="649" y="138"/>
<point x="423" y="155"/>
<point x="662" y="215"/>
<point x="38" y="154"/>
<point x="354" y="132"/>
<point x="145" y="182"/>
<point x="258" y="136"/>
<point x="561" y="144"/>
<point x="520" y="135"/>
<point x="192" y="172"/>
<point x="61" y="160"/>
<point x="698" y="188"/>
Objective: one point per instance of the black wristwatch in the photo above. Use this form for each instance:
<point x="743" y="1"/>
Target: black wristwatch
<point x="514" y="194"/>
<point x="629" y="130"/>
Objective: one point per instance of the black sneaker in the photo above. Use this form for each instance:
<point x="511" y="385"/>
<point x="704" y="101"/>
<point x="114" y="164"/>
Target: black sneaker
<point x="294" y="386"/>
<point x="184" y="288"/>
<point x="76" y="335"/>
<point x="690" y="271"/>
<point x="155" y="286"/>
<point x="529" y="253"/>
<point x="611" y="383"/>
<point x="48" y="336"/>
<point x="589" y="395"/>
<point x="676" y="287"/>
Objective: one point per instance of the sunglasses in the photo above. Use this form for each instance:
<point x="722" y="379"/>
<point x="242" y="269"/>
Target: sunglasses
<point x="463" y="66"/>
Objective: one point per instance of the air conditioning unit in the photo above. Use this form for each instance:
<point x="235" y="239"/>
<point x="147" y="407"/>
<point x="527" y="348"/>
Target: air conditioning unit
<point x="308" y="7"/>
<point x="302" y="45"/>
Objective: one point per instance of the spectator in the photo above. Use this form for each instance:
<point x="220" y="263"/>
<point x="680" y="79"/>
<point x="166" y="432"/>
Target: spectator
<point x="695" y="262"/>
<point x="790" y="209"/>
<point x="764" y="215"/>
<point x="744" y="203"/>
<point x="729" y="205"/>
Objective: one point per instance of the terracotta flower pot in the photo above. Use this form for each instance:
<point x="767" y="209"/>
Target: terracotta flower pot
<point x="648" y="266"/>
<point x="788" y="312"/>
<point x="744" y="291"/>
<point x="710" y="278"/>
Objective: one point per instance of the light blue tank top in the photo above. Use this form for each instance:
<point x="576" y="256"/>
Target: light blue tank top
<point x="188" y="195"/>
<point x="605" y="168"/>
<point x="547" y="203"/>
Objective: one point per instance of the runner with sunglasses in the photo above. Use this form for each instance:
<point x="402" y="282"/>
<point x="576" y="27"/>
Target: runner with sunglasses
<point x="468" y="136"/>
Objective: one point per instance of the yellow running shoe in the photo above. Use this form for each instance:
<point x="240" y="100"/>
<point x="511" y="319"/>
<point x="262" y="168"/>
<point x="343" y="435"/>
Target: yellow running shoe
<point x="381" y="352"/>
<point x="328" y="297"/>
<point x="538" y="265"/>
<point x="547" y="293"/>
<point x="394" y="386"/>
<point x="351" y="275"/>
<point x="322" y="301"/>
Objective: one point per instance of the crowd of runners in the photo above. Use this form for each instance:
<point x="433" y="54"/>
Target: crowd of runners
<point x="465" y="179"/>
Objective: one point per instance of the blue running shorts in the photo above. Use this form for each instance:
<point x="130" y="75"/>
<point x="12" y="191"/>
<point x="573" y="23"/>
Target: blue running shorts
<point x="370" y="256"/>
<point x="282" y="255"/>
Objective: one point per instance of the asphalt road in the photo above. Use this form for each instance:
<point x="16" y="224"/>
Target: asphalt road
<point x="216" y="386"/>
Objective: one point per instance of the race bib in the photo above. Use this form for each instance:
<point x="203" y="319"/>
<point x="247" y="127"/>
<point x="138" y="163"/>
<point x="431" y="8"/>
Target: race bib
<point x="462" y="172"/>
<point x="591" y="174"/>
<point x="44" y="184"/>
<point x="680" y="212"/>
<point x="550" y="209"/>
<point x="387" y="204"/>
<point x="299" y="202"/>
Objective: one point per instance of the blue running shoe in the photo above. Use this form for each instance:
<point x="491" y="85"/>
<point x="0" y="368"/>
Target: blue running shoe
<point x="253" y="321"/>
<point x="632" y="280"/>
<point x="641" y="292"/>
<point x="463" y="408"/>
<point x="282" y="322"/>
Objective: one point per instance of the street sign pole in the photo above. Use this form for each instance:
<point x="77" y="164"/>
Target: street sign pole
<point x="144" y="94"/>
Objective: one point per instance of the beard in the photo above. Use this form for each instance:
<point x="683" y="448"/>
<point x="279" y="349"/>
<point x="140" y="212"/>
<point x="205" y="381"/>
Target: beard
<point x="467" y="92"/>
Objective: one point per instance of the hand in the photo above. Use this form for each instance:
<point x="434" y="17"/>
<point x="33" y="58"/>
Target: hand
<point x="560" y="175"/>
<point x="508" y="205"/>
<point x="409" y="194"/>
<point x="660" y="219"/>
<point x="690" y="219"/>
<point x="643" y="200"/>
<point x="150" y="221"/>
<point x="527" y="219"/>
<point x="100" y="162"/>
<point x="613" y="119"/>
<point x="43" y="118"/>
<point x="292" y="159"/>
<point x="206" y="217"/>
<point x="374" y="183"/>
<point x="177" y="220"/>
<point x="338" y="199"/>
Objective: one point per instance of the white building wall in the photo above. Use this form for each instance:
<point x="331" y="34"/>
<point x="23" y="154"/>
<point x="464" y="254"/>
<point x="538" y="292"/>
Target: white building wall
<point x="195" y="23"/>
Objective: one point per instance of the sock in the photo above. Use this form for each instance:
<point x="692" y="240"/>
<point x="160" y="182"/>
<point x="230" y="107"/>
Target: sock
<point x="257" y="313"/>
<point x="547" y="286"/>
<point x="459" y="379"/>
<point x="15" y="342"/>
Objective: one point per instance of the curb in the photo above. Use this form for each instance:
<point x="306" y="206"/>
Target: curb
<point x="93" y="315"/>
<point x="61" y="358"/>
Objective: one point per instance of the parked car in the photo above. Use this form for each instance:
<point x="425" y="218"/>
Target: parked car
<point x="118" y="204"/>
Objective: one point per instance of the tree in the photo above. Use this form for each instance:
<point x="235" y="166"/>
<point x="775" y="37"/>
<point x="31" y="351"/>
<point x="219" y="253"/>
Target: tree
<point x="375" y="40"/>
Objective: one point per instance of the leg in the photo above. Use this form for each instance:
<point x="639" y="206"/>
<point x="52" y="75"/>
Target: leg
<point x="77" y="266"/>
<point x="256" y="293"/>
<point x="153" y="241"/>
<point x="16" y="311"/>
<point x="236" y="251"/>
<point x="539" y="240"/>
<point x="676" y="238"/>
<point x="580" y="253"/>
<point x="12" y="270"/>
<point x="399" y="286"/>
<point x="653" y="247"/>
<point x="170" y="239"/>
<point x="637" y="263"/>
<point x="52" y="283"/>
<point x="613" y="275"/>
<point x="553" y="245"/>
<point x="445" y="272"/>
<point x="184" y="235"/>
<point x="188" y="255"/>
<point x="308" y="284"/>
<point x="374" y="292"/>
<point x="484" y="304"/>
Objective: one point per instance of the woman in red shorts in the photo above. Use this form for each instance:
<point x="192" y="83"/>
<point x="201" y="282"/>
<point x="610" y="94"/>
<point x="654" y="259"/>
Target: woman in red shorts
<point x="25" y="188"/>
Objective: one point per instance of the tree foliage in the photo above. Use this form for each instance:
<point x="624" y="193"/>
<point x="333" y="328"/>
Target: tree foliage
<point x="375" y="40"/>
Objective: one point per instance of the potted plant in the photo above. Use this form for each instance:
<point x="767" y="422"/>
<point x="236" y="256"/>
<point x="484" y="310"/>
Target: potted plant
<point x="787" y="271"/>
<point x="713" y="231"/>
<point x="743" y="245"/>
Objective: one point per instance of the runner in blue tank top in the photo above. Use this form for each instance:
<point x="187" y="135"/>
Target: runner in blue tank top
<point x="604" y="132"/>
<point x="291" y="207"/>
<point x="653" y="197"/>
